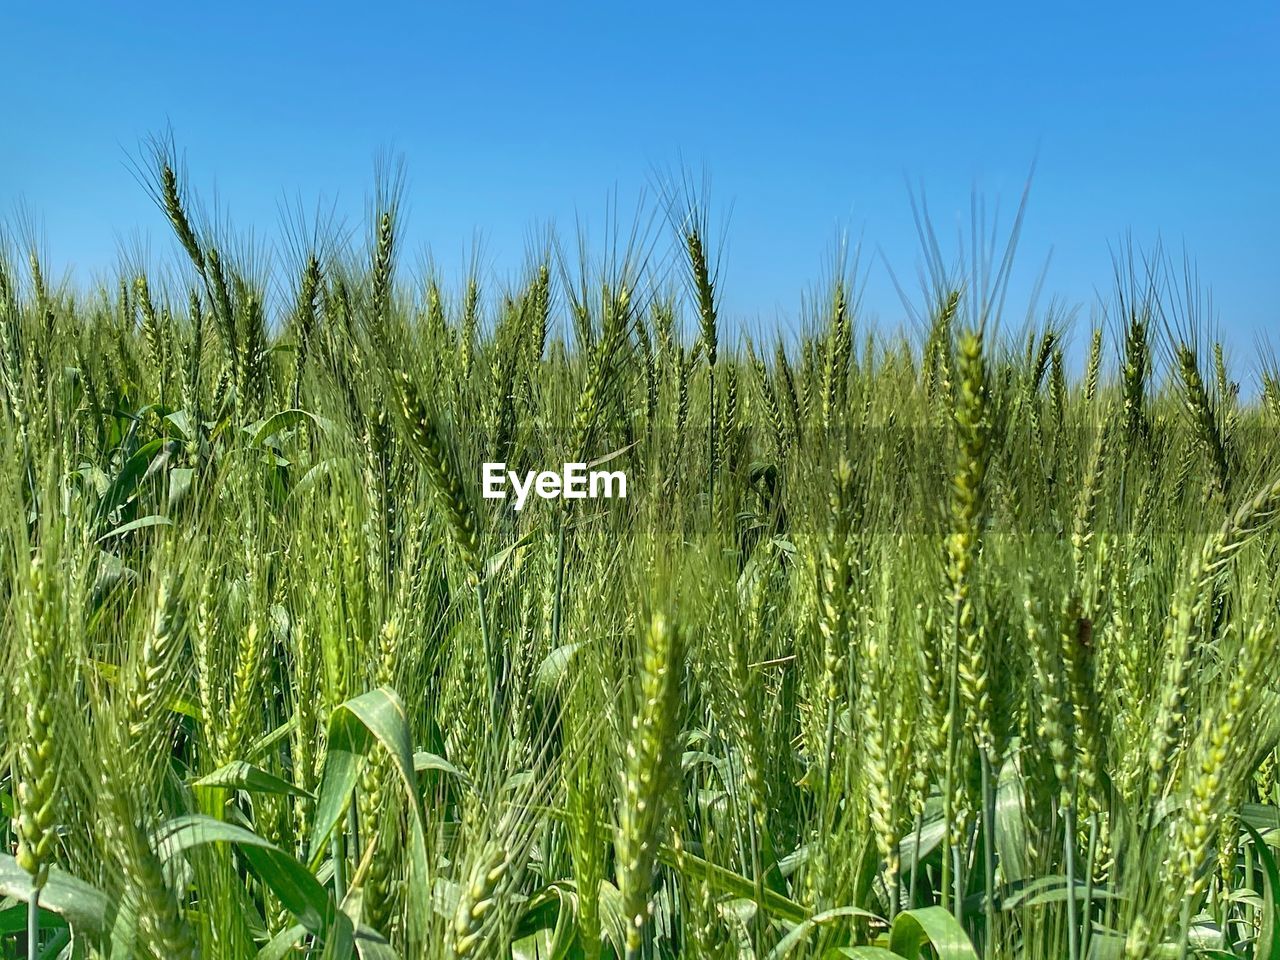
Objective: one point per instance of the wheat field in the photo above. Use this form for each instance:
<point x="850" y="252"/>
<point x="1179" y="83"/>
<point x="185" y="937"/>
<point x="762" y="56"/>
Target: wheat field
<point x="954" y="642"/>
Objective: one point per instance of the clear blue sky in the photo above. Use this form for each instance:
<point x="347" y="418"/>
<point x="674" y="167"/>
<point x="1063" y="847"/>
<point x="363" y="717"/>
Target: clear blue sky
<point x="1153" y="119"/>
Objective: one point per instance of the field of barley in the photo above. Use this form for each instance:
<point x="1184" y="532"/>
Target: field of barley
<point x="953" y="642"/>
